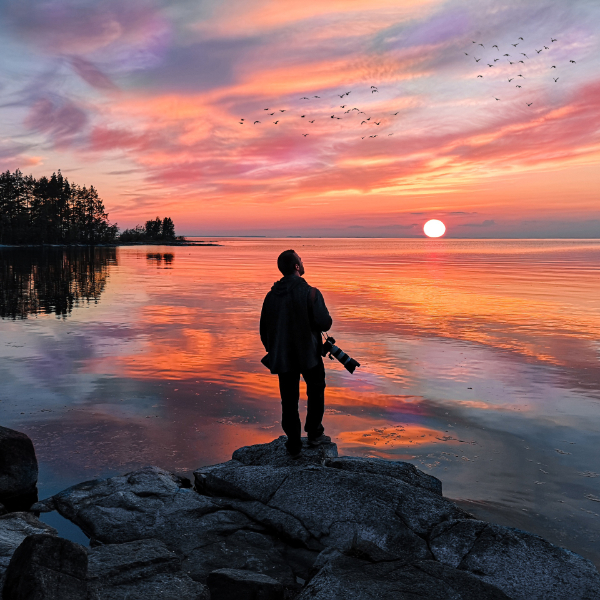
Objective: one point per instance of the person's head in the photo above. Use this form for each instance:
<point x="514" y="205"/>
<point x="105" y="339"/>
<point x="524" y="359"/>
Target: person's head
<point x="289" y="263"/>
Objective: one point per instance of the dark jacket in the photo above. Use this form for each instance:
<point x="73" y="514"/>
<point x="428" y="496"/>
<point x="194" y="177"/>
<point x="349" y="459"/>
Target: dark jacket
<point x="292" y="318"/>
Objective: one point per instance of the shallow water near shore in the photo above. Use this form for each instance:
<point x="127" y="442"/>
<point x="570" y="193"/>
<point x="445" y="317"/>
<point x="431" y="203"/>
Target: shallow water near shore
<point x="479" y="364"/>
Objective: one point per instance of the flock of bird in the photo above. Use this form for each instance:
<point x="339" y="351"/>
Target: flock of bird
<point x="498" y="57"/>
<point x="350" y="111"/>
<point x="514" y="60"/>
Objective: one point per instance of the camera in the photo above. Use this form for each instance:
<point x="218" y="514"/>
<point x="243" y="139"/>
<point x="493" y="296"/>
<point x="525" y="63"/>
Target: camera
<point x="330" y="348"/>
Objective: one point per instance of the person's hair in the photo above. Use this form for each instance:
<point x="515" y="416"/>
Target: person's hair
<point x="287" y="261"/>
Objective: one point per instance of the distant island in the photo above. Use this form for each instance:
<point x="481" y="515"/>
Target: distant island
<point x="54" y="211"/>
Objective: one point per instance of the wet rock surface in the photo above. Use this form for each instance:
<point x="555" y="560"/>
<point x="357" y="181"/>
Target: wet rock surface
<point x="18" y="470"/>
<point x="321" y="526"/>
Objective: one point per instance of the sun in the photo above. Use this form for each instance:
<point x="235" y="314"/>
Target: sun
<point x="434" y="228"/>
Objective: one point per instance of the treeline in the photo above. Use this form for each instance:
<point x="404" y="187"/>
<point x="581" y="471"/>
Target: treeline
<point x="51" y="211"/>
<point x="55" y="211"/>
<point x="153" y="230"/>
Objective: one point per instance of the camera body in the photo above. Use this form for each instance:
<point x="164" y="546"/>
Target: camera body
<point x="334" y="351"/>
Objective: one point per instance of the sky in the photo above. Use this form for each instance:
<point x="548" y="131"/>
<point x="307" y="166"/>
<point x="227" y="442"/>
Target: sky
<point x="154" y="104"/>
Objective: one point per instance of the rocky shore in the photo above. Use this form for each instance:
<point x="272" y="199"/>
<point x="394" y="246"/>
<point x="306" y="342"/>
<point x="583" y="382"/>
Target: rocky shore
<point x="263" y="526"/>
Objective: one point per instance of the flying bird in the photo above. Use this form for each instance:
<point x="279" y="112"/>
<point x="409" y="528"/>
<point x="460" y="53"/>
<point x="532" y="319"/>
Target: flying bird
<point x="241" y="122"/>
<point x="510" y="79"/>
<point x="395" y="113"/>
<point x="520" y="76"/>
<point x="390" y="134"/>
<point x="556" y="79"/>
<point x="372" y="136"/>
<point x="333" y="116"/>
<point x="373" y="91"/>
<point x="363" y="122"/>
<point x="572" y="61"/>
<point x="304" y="98"/>
<point x="521" y="39"/>
<point x="495" y="46"/>
<point x="482" y="45"/>
<point x="515" y="45"/>
<point x="255" y="122"/>
<point x="518" y="86"/>
<point x="302" y="116"/>
<point x="496" y="98"/>
<point x="538" y="51"/>
<point x="525" y="55"/>
<point x="374" y="86"/>
<point x="506" y="55"/>
<point x="490" y="65"/>
<point x="316" y="96"/>
<point x="377" y="123"/>
<point x="511" y="63"/>
<point x="305" y="134"/>
<point x="282" y="110"/>
<point x="466" y="54"/>
<point x="343" y="106"/>
<point x="477" y="59"/>
<point x="242" y="119"/>
<point x="479" y="75"/>
<point x="553" y="39"/>
<point x="275" y="122"/>
<point x="553" y="67"/>
<point x="529" y="103"/>
<point x="521" y="62"/>
<point x="496" y="59"/>
<point x="311" y="121"/>
<point x="267" y="109"/>
<point x="271" y="114"/>
<point x="546" y="48"/>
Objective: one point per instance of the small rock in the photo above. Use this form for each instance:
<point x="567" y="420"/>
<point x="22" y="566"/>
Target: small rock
<point x="49" y="568"/>
<point x="235" y="584"/>
<point x="18" y="470"/>
<point x="14" y="528"/>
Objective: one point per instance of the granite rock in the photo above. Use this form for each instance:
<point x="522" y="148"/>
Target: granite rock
<point x="47" y="567"/>
<point x="523" y="565"/>
<point x="141" y="570"/>
<point x="236" y="584"/>
<point x="18" y="470"/>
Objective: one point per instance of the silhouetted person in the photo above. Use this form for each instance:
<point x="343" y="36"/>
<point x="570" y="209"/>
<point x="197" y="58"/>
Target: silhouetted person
<point x="292" y="319"/>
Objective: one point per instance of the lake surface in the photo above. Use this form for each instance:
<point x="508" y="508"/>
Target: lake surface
<point x="479" y="364"/>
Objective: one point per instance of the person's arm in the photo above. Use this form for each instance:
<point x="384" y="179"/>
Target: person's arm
<point x="264" y="327"/>
<point x="321" y="318"/>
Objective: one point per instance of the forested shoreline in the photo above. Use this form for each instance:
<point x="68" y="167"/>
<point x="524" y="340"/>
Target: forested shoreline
<point x="56" y="211"/>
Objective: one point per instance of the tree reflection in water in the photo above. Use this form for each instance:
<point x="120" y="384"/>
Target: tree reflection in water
<point x="52" y="280"/>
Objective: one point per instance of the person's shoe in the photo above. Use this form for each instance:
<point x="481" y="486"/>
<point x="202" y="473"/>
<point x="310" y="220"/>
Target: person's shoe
<point x="319" y="441"/>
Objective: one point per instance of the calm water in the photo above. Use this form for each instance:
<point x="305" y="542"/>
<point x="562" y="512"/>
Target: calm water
<point x="480" y="364"/>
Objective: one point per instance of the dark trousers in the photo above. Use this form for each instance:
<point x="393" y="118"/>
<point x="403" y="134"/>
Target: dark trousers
<point x="289" y="389"/>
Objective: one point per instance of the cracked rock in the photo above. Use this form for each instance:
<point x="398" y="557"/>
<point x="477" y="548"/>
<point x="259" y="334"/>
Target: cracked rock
<point x="523" y="565"/>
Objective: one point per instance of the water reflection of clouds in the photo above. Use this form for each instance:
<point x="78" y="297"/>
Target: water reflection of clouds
<point x="165" y="370"/>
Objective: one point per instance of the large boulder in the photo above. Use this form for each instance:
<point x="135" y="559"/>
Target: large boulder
<point x="142" y="570"/>
<point x="47" y="567"/>
<point x="348" y="578"/>
<point x="523" y="565"/>
<point x="18" y="470"/>
<point x="383" y="516"/>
